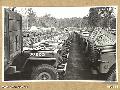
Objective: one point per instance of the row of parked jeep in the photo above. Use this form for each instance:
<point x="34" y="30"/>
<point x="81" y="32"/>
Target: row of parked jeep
<point x="100" y="49"/>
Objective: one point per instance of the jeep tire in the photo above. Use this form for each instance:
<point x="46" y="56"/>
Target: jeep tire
<point x="44" y="72"/>
<point x="111" y="76"/>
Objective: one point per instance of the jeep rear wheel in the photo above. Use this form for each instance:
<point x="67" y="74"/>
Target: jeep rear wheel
<point x="44" y="72"/>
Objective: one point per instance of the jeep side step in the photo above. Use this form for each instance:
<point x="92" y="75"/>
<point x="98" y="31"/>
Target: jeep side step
<point x="12" y="70"/>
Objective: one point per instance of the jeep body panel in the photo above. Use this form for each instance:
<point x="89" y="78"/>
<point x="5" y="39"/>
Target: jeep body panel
<point x="101" y="49"/>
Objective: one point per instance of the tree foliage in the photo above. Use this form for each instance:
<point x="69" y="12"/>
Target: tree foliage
<point x="101" y="17"/>
<point x="49" y="21"/>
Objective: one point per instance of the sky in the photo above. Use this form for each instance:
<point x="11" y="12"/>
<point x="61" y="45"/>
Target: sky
<point x="57" y="12"/>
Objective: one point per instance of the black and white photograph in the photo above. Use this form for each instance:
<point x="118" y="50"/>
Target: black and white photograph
<point x="60" y="43"/>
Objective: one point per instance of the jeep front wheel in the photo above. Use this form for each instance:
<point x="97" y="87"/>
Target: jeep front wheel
<point x="112" y="75"/>
<point x="44" y="72"/>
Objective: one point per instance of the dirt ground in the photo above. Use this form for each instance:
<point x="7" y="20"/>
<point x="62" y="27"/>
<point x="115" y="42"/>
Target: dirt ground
<point x="78" y="66"/>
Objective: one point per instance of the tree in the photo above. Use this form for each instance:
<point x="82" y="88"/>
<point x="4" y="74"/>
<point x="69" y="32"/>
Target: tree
<point x="84" y="22"/>
<point x="113" y="23"/>
<point x="100" y="16"/>
<point x="31" y="18"/>
<point x="93" y="18"/>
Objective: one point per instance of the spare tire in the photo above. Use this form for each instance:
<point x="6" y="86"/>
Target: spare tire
<point x="44" y="72"/>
